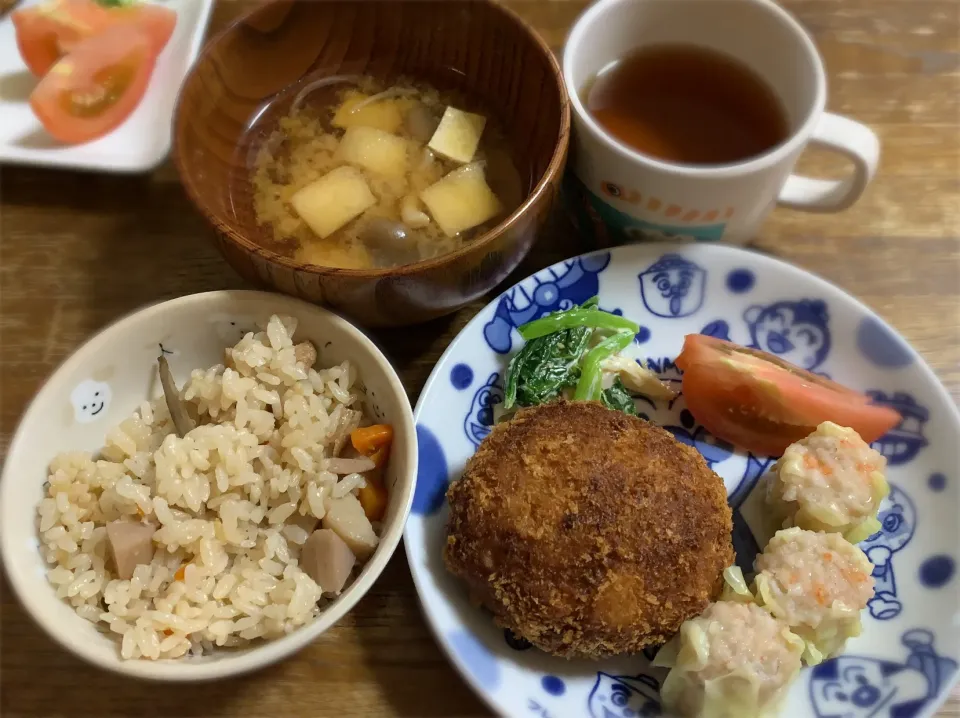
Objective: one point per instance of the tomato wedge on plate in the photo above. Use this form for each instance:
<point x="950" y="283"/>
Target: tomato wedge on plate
<point x="50" y="30"/>
<point x="762" y="403"/>
<point x="158" y="23"/>
<point x="96" y="87"/>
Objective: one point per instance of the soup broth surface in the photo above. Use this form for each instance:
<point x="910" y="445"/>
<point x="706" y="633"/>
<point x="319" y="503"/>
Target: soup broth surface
<point x="304" y="145"/>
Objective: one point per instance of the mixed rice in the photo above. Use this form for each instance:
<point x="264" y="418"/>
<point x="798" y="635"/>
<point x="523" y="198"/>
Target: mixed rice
<point x="227" y="507"/>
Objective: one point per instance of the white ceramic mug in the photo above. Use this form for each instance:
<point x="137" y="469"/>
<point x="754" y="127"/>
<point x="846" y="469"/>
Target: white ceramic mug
<point x="633" y="196"/>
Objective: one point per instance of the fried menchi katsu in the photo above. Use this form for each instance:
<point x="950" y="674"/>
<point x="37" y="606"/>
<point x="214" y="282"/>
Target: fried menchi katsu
<point x="588" y="532"/>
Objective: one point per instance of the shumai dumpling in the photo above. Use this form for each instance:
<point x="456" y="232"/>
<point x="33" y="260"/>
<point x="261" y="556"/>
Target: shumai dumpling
<point x="735" y="660"/>
<point x="830" y="481"/>
<point x="817" y="583"/>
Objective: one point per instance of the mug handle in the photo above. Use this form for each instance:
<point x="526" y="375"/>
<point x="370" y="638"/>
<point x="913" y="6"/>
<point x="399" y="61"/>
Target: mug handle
<point x="849" y="138"/>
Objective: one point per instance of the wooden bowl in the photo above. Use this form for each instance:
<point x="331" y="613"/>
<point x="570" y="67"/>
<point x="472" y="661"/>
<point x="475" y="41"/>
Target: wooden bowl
<point x="477" y="47"/>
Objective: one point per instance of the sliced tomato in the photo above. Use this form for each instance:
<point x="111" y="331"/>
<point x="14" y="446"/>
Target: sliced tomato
<point x="762" y="403"/>
<point x="48" y="31"/>
<point x="157" y="22"/>
<point x="96" y="87"/>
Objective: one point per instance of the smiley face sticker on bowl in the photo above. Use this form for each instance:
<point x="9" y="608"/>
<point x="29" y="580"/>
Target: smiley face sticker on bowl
<point x="90" y="399"/>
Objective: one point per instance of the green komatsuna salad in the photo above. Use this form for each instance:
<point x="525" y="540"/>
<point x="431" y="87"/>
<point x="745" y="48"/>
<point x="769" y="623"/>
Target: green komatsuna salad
<point x="580" y="354"/>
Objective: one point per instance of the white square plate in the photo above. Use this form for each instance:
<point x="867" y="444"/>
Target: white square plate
<point x="139" y="144"/>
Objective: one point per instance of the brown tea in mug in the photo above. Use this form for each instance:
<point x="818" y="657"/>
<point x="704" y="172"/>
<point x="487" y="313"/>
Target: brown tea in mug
<point x="688" y="104"/>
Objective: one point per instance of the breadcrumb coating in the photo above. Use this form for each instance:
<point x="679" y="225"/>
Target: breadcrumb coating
<point x="588" y="532"/>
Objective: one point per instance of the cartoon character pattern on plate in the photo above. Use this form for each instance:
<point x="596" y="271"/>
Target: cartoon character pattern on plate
<point x="858" y="687"/>
<point x="624" y="697"/>
<point x="678" y="288"/>
<point x="902" y="443"/>
<point x="553" y="291"/>
<point x="898" y="520"/>
<point x="673" y="287"/>
<point x="479" y="421"/>
<point x="795" y="330"/>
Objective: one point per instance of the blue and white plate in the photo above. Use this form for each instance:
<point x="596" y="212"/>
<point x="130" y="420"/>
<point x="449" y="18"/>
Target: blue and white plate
<point x="907" y="657"/>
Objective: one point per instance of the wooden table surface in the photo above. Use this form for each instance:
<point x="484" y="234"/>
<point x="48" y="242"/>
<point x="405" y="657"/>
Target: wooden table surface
<point x="80" y="250"/>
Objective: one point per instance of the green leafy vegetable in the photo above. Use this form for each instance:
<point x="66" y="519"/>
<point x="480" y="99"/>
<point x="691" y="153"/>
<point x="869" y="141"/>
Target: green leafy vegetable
<point x="558" y="356"/>
<point x="585" y="316"/>
<point x="618" y="399"/>
<point x="589" y="386"/>
<point x="545" y="367"/>
<point x="116" y="3"/>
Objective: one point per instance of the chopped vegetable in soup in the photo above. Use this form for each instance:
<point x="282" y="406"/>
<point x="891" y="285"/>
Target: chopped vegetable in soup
<point x="360" y="176"/>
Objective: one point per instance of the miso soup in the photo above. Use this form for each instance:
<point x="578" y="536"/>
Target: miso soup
<point x="362" y="175"/>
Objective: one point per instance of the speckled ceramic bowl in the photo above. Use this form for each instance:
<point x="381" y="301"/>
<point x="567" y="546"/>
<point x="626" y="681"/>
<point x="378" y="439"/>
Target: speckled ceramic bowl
<point x="105" y="380"/>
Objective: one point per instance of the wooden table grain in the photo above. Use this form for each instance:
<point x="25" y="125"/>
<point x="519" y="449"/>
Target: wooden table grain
<point x="78" y="251"/>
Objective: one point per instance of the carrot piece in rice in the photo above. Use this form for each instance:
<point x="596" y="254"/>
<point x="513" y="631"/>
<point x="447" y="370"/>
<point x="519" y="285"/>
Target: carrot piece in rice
<point x="368" y="439"/>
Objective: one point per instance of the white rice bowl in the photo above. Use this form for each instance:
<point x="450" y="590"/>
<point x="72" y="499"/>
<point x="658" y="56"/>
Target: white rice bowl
<point x="228" y="499"/>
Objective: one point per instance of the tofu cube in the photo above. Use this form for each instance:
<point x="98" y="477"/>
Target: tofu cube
<point x="375" y="150"/>
<point x="333" y="200"/>
<point x="461" y="200"/>
<point x="458" y="134"/>
<point x="386" y="115"/>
